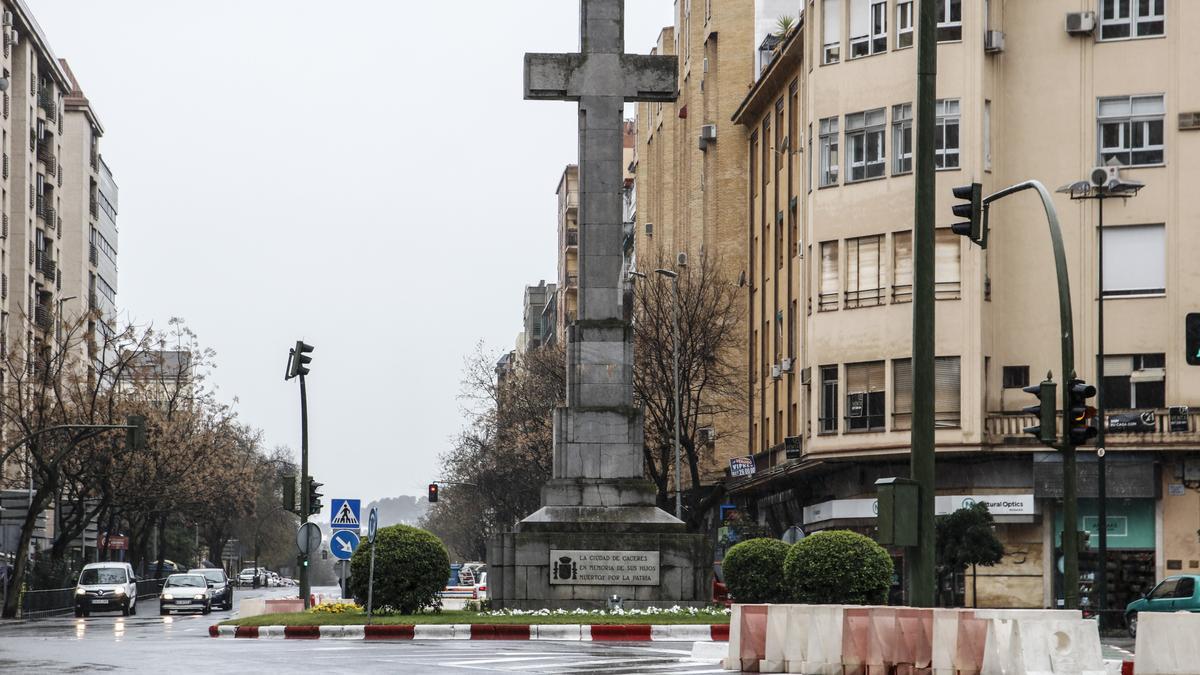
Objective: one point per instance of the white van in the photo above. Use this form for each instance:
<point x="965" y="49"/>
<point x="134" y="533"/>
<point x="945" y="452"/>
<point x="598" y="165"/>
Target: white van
<point x="106" y="587"/>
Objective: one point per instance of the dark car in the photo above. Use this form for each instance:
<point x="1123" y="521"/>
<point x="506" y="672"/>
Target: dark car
<point x="1174" y="594"/>
<point x="220" y="586"/>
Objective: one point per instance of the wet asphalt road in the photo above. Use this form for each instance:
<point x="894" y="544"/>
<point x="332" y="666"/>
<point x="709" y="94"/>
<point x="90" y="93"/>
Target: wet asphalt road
<point x="149" y="643"/>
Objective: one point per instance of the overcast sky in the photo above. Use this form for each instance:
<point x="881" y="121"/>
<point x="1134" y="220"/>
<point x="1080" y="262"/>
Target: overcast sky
<point x="361" y="174"/>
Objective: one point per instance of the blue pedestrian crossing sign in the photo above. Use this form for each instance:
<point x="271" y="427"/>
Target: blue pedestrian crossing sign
<point x="344" y="514"/>
<point x="343" y="543"/>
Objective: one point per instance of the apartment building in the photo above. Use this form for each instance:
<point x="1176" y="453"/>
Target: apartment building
<point x="1046" y="90"/>
<point x="689" y="170"/>
<point x="89" y="212"/>
<point x="57" y="198"/>
<point x="567" y="305"/>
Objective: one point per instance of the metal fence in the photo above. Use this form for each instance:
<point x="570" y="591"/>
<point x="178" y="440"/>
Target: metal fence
<point x="62" y="600"/>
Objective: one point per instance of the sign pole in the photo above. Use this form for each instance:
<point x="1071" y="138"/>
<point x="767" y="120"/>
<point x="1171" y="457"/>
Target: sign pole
<point x="372" y="525"/>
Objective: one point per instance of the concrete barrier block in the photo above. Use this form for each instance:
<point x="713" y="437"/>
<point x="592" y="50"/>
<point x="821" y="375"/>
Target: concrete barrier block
<point x="779" y="635"/>
<point x="823" y="654"/>
<point x="913" y="647"/>
<point x="970" y="644"/>
<point x="747" y="637"/>
<point x="252" y="607"/>
<point x="1167" y="644"/>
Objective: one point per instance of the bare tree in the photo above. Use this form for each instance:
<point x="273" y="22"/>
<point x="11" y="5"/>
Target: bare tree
<point x="710" y="329"/>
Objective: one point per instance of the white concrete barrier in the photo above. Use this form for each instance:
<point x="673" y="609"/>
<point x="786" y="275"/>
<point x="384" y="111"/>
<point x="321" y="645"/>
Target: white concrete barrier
<point x="252" y="607"/>
<point x="1043" y="646"/>
<point x="1167" y="644"/>
<point x="344" y="632"/>
<point x="446" y="631"/>
<point x="566" y="632"/>
<point x="823" y="653"/>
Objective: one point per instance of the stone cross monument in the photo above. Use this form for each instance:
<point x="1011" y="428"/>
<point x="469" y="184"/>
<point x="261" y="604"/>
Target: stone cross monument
<point x="599" y="533"/>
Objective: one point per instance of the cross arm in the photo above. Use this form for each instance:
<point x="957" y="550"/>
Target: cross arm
<point x="551" y="77"/>
<point x="650" y="79"/>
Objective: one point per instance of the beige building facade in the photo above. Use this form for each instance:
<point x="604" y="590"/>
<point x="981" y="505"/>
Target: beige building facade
<point x="689" y="169"/>
<point x="828" y="245"/>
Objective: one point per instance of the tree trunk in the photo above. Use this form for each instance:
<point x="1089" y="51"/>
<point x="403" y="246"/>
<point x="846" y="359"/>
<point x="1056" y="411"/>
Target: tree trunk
<point x="20" y="566"/>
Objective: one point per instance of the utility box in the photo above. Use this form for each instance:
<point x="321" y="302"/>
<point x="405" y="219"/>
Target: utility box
<point x="899" y="504"/>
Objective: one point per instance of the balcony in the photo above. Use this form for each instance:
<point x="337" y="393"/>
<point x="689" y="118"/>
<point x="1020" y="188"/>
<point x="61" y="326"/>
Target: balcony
<point x="94" y="207"/>
<point x="1009" y="429"/>
<point x="572" y="238"/>
<point x="50" y="269"/>
<point x="572" y="281"/>
<point x="92" y="257"/>
<point x="42" y="317"/>
<point x="46" y="99"/>
<point x="50" y="216"/>
<point x="45" y="154"/>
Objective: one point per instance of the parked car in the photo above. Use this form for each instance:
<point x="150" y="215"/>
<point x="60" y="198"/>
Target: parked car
<point x="247" y="576"/>
<point x="106" y="587"/>
<point x="1174" y="594"/>
<point x="221" y="587"/>
<point x="481" y="587"/>
<point x="185" y="592"/>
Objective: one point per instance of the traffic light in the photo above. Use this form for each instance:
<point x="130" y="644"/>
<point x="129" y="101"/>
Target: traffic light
<point x="1079" y="414"/>
<point x="297" y="361"/>
<point x="288" y="484"/>
<point x="135" y="432"/>
<point x="1045" y="410"/>
<point x="314" y="497"/>
<point x="1193" y="339"/>
<point x="972" y="210"/>
<point x="433" y="490"/>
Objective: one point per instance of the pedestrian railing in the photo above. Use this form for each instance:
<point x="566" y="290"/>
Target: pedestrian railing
<point x="62" y="600"/>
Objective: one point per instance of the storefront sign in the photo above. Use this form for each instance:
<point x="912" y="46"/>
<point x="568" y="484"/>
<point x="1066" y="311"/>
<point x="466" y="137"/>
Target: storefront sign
<point x="791" y="446"/>
<point x="1132" y="423"/>
<point x="740" y="467"/>
<point x="116" y="542"/>
<point x="1179" y="419"/>
<point x="944" y="505"/>
<point x="1131" y="523"/>
<point x="1176" y="489"/>
<point x="604" y="568"/>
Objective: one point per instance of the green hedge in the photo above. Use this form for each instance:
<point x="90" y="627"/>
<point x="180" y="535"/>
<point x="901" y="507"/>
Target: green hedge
<point x="838" y="567"/>
<point x="411" y="569"/>
<point x="754" y="570"/>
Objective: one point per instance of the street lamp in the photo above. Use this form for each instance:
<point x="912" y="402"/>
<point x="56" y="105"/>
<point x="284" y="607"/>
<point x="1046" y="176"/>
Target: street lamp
<point x="674" y="277"/>
<point x="60" y="319"/>
<point x="1104" y="183"/>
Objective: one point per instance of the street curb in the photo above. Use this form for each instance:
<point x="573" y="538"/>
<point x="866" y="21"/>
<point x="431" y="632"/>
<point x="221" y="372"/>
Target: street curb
<point x="485" y="631"/>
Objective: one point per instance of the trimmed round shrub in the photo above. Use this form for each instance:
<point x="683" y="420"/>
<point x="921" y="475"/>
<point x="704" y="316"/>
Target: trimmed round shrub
<point x="411" y="569"/>
<point x="754" y="570"/>
<point x="838" y="567"/>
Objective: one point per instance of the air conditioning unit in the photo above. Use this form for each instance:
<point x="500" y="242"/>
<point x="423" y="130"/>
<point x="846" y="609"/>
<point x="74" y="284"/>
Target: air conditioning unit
<point x="12" y="37"/>
<point x="8" y="18"/>
<point x="776" y="372"/>
<point x="1189" y="121"/>
<point x="649" y="229"/>
<point x="706" y="435"/>
<point x="1102" y="176"/>
<point x="806" y="376"/>
<point x="681" y="259"/>
<point x="993" y="41"/>
<point x="786" y="365"/>
<point x="1081" y="23"/>
<point x="708" y="135"/>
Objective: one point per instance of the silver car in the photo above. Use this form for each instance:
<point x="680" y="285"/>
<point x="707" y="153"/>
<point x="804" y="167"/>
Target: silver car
<point x="185" y="592"/>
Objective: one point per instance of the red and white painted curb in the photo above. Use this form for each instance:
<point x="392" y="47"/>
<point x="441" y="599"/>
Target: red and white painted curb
<point x="478" y="631"/>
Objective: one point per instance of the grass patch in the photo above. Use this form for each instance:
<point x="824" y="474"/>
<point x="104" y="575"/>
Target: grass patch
<point x="460" y="616"/>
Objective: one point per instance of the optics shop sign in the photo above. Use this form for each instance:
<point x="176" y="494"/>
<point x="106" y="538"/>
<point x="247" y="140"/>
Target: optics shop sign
<point x="604" y="568"/>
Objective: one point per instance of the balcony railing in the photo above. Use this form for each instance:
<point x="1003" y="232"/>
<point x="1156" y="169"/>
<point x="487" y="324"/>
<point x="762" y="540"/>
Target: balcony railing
<point x="1009" y="429"/>
<point x="43" y="318"/>
<point x="868" y="297"/>
<point x="46" y="99"/>
<point x="92" y="253"/>
<point x="572" y="237"/>
<point x="50" y="269"/>
<point x="572" y="280"/>
<point x="94" y="207"/>
<point x="50" y="216"/>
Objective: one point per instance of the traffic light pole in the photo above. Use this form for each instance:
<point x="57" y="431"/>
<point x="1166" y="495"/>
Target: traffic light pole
<point x="1070" y="538"/>
<point x="1101" y="579"/>
<point x="305" y="589"/>
<point x="920" y="561"/>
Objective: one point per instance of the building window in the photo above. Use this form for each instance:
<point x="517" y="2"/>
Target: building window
<point x="1135" y="260"/>
<point x="866" y="396"/>
<point x="832" y="11"/>
<point x="1016" y="377"/>
<point x="949" y="27"/>
<point x="1135" y="382"/>
<point x="902" y="138"/>
<point x="868" y="27"/>
<point x="902" y="267"/>
<point x="827" y="301"/>
<point x="808" y="151"/>
<point x="829" y="151"/>
<point x="987" y="135"/>
<point x="946" y="136"/>
<point x="1130" y="130"/>
<point x="947" y="397"/>
<point x="904" y="24"/>
<point x="829" y="400"/>
<point x="865" y="154"/>
<point x="864" y="274"/>
<point x="947" y="264"/>
<point x="1121" y="19"/>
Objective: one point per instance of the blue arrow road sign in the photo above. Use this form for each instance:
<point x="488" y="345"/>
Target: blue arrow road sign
<point x="344" y="514"/>
<point x="343" y="543"/>
<point x="372" y="524"/>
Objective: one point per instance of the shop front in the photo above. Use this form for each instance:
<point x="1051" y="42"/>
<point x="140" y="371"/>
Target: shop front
<point x="1131" y="560"/>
